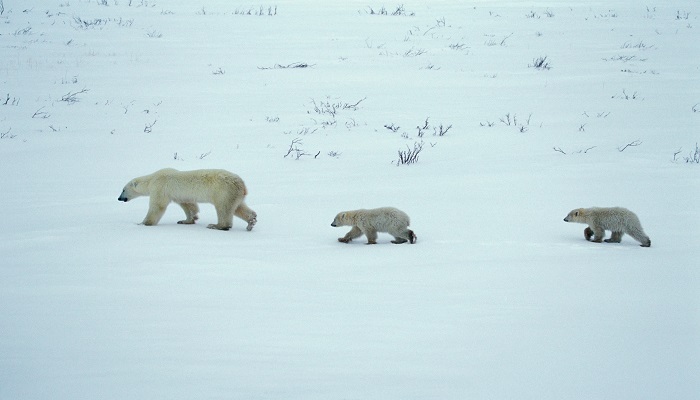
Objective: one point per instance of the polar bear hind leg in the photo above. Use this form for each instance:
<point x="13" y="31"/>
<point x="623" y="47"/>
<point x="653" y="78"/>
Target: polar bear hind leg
<point x="246" y="214"/>
<point x="371" y="236"/>
<point x="403" y="236"/>
<point x="641" y="237"/>
<point x="191" y="210"/>
<point x="224" y="213"/>
<point x="616" y="237"/>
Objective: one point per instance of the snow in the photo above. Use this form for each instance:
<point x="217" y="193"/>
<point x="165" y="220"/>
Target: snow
<point x="499" y="299"/>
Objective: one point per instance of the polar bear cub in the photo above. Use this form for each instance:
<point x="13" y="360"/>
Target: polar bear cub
<point x="187" y="188"/>
<point x="369" y="222"/>
<point x="619" y="220"/>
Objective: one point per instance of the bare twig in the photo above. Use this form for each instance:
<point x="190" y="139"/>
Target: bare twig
<point x="72" y="97"/>
<point x="295" y="65"/>
<point x="7" y="135"/>
<point x="41" y="114"/>
<point x="631" y="144"/>
<point x="296" y="150"/>
<point x="149" y="127"/>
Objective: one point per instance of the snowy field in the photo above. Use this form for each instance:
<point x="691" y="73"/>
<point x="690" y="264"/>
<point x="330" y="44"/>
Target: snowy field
<point x="519" y="111"/>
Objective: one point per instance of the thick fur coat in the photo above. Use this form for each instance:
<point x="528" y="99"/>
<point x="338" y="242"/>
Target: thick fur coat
<point x="225" y="190"/>
<point x="368" y="222"/>
<point x="618" y="220"/>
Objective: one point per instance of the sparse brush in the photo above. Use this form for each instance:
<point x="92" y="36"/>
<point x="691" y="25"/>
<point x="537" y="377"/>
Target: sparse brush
<point x="296" y="151"/>
<point x="149" y="126"/>
<point x="296" y="65"/>
<point x="441" y="130"/>
<point x="392" y="127"/>
<point x="328" y="107"/>
<point x="399" y="10"/>
<point x="694" y="156"/>
<point x="259" y="11"/>
<point x="626" y="96"/>
<point x="10" y="102"/>
<point x="72" y="97"/>
<point x="494" y="42"/>
<point x="410" y="155"/>
<point x="540" y="63"/>
<point x="7" y="134"/>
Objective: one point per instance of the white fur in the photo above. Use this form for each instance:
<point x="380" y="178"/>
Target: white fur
<point x="187" y="188"/>
<point x="619" y="220"/>
<point x="369" y="222"/>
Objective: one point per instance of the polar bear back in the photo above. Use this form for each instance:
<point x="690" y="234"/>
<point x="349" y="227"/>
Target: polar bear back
<point x="382" y="219"/>
<point x="198" y="186"/>
<point x="613" y="218"/>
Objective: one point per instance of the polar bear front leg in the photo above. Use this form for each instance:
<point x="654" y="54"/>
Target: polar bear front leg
<point x="191" y="211"/>
<point x="371" y="236"/>
<point x="598" y="234"/>
<point x="354" y="233"/>
<point x="156" y="209"/>
<point x="246" y="214"/>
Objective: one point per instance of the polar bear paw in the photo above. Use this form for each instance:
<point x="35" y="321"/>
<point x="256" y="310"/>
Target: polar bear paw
<point x="189" y="221"/>
<point x="219" y="227"/>
<point x="251" y="222"/>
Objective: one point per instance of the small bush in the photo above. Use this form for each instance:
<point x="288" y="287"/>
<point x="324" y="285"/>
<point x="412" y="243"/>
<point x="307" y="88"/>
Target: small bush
<point x="540" y="63"/>
<point x="410" y="155"/>
<point x="694" y="156"/>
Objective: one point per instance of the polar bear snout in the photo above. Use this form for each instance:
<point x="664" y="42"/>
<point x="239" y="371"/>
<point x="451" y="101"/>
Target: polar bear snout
<point x="333" y="224"/>
<point x="122" y="197"/>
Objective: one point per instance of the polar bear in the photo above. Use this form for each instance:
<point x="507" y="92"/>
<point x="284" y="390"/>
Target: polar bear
<point x="619" y="220"/>
<point x="187" y="188"/>
<point x="369" y="222"/>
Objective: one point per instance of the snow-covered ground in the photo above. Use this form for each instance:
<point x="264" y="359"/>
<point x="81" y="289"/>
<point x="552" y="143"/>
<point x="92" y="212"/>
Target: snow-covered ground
<point x="499" y="299"/>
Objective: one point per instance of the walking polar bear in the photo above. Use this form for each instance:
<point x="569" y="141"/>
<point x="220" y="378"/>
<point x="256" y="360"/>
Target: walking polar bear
<point x="187" y="188"/>
<point x="619" y="220"/>
<point x="369" y="222"/>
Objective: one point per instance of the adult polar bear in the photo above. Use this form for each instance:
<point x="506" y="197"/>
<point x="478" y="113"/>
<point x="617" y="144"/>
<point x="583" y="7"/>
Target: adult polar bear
<point x="224" y="189"/>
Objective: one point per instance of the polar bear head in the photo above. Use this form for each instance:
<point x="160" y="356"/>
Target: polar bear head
<point x="135" y="188"/>
<point x="340" y="220"/>
<point x="577" y="215"/>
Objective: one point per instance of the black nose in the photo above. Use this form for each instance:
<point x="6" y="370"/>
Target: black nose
<point x="333" y="225"/>
<point x="124" y="199"/>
